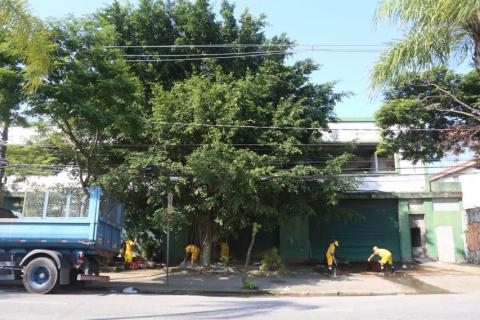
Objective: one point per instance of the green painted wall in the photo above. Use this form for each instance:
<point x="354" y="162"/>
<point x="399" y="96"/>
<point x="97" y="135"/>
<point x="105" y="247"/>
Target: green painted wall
<point x="435" y="219"/>
<point x="404" y="226"/>
<point x="264" y="240"/>
<point x="378" y="225"/>
<point x="294" y="239"/>
<point x="178" y="242"/>
<point x="430" y="229"/>
<point x="452" y="219"/>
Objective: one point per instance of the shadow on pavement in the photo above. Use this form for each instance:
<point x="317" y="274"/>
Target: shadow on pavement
<point x="229" y="310"/>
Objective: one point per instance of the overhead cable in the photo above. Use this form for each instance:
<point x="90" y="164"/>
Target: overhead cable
<point x="303" y="128"/>
<point x="246" y="45"/>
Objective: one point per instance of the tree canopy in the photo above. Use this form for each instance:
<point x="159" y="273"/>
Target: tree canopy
<point x="233" y="176"/>
<point x="181" y="22"/>
<point x="89" y="93"/>
<point x="427" y="115"/>
<point x="436" y="32"/>
<point x="25" y="38"/>
<point x="143" y="93"/>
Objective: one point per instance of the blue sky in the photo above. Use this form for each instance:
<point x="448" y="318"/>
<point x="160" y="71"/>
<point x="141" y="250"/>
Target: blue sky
<point x="307" y="22"/>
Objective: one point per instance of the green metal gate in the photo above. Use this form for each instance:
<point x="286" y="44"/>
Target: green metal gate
<point x="377" y="225"/>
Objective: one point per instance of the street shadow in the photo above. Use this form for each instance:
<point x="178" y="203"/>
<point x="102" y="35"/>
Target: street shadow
<point x="229" y="310"/>
<point x="10" y="288"/>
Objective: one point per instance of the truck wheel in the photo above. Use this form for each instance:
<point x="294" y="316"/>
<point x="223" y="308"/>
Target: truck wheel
<point x="40" y="276"/>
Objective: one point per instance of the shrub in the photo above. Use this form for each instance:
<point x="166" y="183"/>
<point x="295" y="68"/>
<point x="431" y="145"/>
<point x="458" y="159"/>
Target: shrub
<point x="272" y="261"/>
<point x="225" y="260"/>
<point x="248" y="284"/>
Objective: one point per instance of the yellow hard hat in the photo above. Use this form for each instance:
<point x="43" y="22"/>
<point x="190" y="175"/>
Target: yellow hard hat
<point x="336" y="243"/>
<point x="375" y="248"/>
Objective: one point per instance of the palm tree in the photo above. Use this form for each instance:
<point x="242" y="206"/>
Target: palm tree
<point x="24" y="35"/>
<point x="435" y="32"/>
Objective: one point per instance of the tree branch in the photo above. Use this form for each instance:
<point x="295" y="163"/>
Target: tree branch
<point x="455" y="98"/>
<point x="458" y="112"/>
<point x="91" y="155"/>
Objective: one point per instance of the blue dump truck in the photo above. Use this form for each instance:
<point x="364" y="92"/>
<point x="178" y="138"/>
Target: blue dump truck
<point x="59" y="237"/>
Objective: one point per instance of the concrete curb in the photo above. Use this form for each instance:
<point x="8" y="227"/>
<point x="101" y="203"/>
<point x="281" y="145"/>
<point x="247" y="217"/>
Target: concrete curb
<point x="149" y="289"/>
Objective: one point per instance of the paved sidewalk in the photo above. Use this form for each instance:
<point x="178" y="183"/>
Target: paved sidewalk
<point x="314" y="284"/>
<point x="428" y="278"/>
<point x="455" y="278"/>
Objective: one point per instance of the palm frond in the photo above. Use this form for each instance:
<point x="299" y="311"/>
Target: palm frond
<point x="436" y="32"/>
<point x="27" y="38"/>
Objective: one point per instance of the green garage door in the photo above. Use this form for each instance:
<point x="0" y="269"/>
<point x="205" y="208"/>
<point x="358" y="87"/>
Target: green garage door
<point x="378" y="225"/>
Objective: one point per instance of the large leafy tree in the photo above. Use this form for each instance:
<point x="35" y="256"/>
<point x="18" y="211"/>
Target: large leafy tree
<point x="427" y="115"/>
<point x="89" y="94"/>
<point x="232" y="178"/>
<point x="25" y="38"/>
<point x="11" y="95"/>
<point x="182" y="22"/>
<point x="436" y="32"/>
<point x="429" y="111"/>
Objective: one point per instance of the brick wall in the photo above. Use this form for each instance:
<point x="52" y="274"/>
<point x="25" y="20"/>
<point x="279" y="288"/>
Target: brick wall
<point x="473" y="235"/>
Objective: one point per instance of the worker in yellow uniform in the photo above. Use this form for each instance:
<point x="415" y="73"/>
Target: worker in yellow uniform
<point x="128" y="253"/>
<point x="193" y="251"/>
<point x="331" y="257"/>
<point x="224" y="251"/>
<point x="385" y="258"/>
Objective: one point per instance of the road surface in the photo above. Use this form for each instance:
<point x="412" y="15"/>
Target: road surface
<point x="17" y="304"/>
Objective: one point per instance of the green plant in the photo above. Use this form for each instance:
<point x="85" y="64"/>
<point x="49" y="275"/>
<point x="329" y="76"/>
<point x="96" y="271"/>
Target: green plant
<point x="248" y="284"/>
<point x="272" y="261"/>
<point x="225" y="260"/>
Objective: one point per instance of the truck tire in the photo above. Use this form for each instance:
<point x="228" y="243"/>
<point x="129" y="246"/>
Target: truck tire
<point x="40" y="276"/>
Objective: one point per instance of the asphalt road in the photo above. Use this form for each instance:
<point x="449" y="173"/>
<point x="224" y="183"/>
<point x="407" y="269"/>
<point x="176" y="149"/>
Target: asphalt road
<point x="16" y="304"/>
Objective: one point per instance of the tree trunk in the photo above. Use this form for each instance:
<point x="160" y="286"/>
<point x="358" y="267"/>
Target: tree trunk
<point x="249" y="252"/>
<point x="206" y="257"/>
<point x="474" y="29"/>
<point x="85" y="200"/>
<point x="3" y="161"/>
<point x="476" y="55"/>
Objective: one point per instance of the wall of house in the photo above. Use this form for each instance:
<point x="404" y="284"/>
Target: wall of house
<point x="444" y="213"/>
<point x="392" y="183"/>
<point x="295" y="239"/>
<point x="473" y="235"/>
<point x="374" y="223"/>
<point x="470" y="180"/>
<point x="348" y="130"/>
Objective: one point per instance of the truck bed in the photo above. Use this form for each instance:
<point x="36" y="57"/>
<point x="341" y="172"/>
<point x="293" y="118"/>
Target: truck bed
<point x="98" y="230"/>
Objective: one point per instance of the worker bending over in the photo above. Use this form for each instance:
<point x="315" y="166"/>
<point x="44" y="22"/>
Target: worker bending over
<point x="331" y="257"/>
<point x="385" y="258"/>
<point x="193" y="252"/>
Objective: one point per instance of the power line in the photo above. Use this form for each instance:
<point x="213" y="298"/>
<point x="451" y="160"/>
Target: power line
<point x="301" y="128"/>
<point x="247" y="45"/>
<point x="386" y="172"/>
<point x="201" y="57"/>
<point x="194" y="55"/>
<point x="206" y="58"/>
<point x="285" y="51"/>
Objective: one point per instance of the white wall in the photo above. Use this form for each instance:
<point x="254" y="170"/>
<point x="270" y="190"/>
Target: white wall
<point x="19" y="135"/>
<point x="342" y="132"/>
<point x="392" y="183"/>
<point x="63" y="179"/>
<point x="470" y="181"/>
<point x="408" y="178"/>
